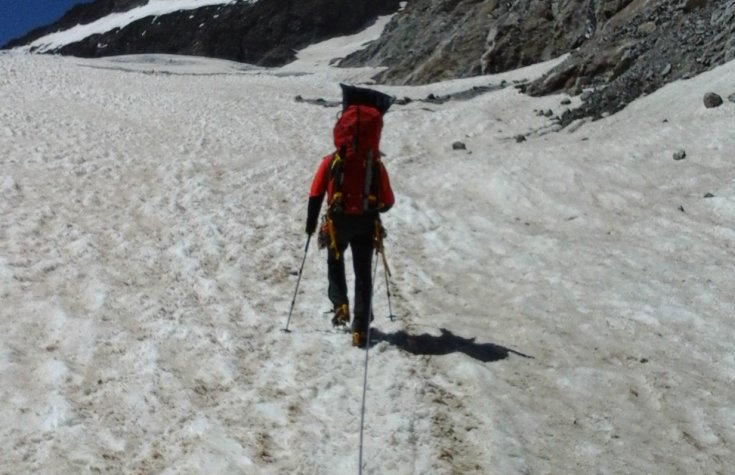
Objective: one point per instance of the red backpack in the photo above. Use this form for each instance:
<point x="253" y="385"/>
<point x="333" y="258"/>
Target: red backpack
<point x="353" y="180"/>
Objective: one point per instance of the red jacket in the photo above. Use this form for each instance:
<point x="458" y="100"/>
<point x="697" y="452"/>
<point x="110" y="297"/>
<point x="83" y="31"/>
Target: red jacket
<point x="321" y="184"/>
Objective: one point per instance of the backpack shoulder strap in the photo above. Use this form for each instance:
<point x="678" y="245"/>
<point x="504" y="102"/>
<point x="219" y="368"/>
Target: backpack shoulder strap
<point x="336" y="178"/>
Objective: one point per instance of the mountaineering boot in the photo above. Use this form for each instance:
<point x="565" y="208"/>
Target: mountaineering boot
<point x="358" y="339"/>
<point x="341" y="315"/>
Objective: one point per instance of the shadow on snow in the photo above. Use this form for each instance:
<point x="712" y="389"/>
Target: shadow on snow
<point x="444" y="344"/>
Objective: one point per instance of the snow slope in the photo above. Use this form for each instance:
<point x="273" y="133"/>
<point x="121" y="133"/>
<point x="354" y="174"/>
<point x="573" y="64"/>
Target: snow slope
<point x="564" y="304"/>
<point x="110" y="22"/>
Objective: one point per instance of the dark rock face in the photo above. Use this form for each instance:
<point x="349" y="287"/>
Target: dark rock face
<point x="643" y="47"/>
<point x="621" y="49"/>
<point x="430" y="40"/>
<point x="438" y="39"/>
<point x="264" y="33"/>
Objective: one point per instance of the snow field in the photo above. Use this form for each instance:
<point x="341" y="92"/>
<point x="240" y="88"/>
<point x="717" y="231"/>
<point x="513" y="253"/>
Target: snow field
<point x="151" y="228"/>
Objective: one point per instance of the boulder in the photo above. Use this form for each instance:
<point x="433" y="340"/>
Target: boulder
<point x="712" y="100"/>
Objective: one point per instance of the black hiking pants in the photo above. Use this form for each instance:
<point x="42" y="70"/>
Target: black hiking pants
<point x="357" y="233"/>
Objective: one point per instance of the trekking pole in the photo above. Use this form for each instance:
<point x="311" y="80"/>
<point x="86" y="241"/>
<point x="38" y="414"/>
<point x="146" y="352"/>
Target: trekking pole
<point x="387" y="284"/>
<point x="301" y="271"/>
<point x="380" y="249"/>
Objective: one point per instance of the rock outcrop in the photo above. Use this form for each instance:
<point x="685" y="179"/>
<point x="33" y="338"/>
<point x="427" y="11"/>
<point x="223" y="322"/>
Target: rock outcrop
<point x="643" y="47"/>
<point x="439" y="39"/>
<point x="620" y="49"/>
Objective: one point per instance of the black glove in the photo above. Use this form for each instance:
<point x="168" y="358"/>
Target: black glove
<point x="315" y="204"/>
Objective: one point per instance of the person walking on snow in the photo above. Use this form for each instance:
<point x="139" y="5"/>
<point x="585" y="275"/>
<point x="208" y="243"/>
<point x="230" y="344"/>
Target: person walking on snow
<point x="358" y="189"/>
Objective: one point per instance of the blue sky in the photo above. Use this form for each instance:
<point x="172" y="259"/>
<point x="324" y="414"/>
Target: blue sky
<point x="18" y="17"/>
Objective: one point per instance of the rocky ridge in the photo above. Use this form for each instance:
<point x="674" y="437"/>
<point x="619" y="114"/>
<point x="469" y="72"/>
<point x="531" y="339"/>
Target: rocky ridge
<point x="80" y="14"/>
<point x="619" y="49"/>
<point x="647" y="47"/>
<point x="264" y="33"/>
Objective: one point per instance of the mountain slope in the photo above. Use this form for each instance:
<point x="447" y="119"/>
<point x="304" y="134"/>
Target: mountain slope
<point x="258" y="32"/>
<point x="80" y="14"/>
<point x="619" y="49"/>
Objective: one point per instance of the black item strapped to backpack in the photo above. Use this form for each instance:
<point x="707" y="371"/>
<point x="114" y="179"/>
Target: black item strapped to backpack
<point x="360" y="96"/>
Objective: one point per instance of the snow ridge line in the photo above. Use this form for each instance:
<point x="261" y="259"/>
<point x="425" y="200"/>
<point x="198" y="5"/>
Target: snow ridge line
<point x="153" y="9"/>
